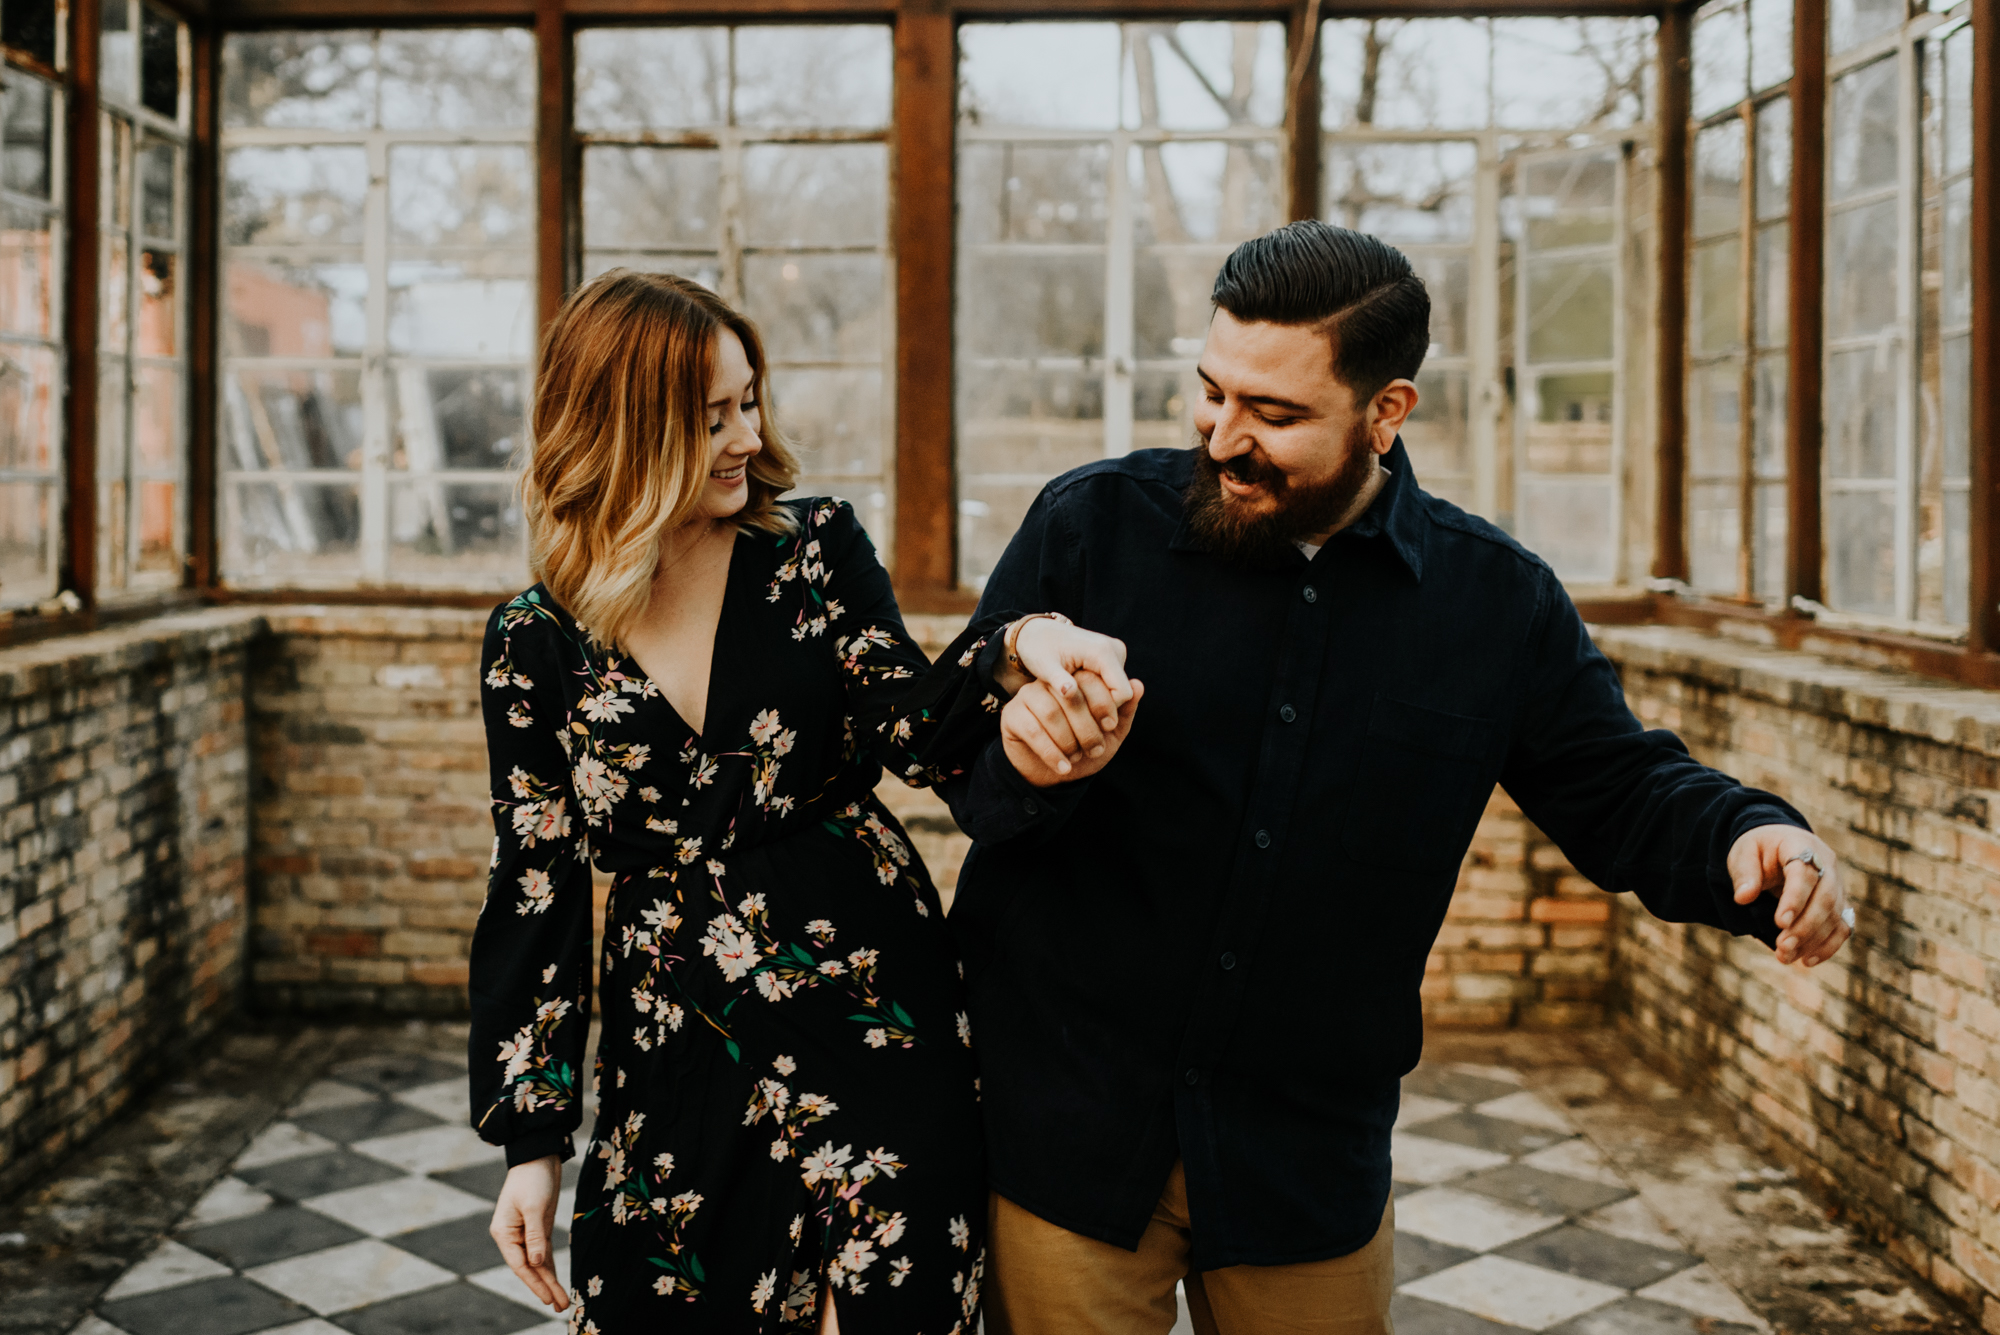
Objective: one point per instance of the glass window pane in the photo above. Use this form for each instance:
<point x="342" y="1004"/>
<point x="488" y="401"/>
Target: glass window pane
<point x="1160" y="400"/>
<point x="1767" y="435"/>
<point x="30" y="393"/>
<point x="1214" y="192"/>
<point x="1956" y="299"/>
<point x="631" y="79"/>
<point x="1427" y="73"/>
<point x="116" y="183"/>
<point x="1570" y="200"/>
<point x="455" y="532"/>
<point x="295" y="309"/>
<point x="25" y="117"/>
<point x="1026" y="305"/>
<point x="1860" y="270"/>
<point x="158" y="522"/>
<point x="1715" y="419"/>
<point x="1774" y="158"/>
<point x="813" y="76"/>
<point x="1570" y="310"/>
<point x="1436" y="434"/>
<point x="294" y="196"/>
<point x="1770" y="43"/>
<point x="455" y="419"/>
<point x="1852" y="22"/>
<point x="156" y="420"/>
<point x="1863" y="132"/>
<point x="1060" y="75"/>
<point x="1957" y="389"/>
<point x="815" y="194"/>
<point x="114" y="299"/>
<point x="284" y="530"/>
<point x="1860" y="552"/>
<point x="159" y="303"/>
<point x="275" y="420"/>
<point x="1718" y="179"/>
<point x="27" y="272"/>
<point x="1570" y="72"/>
<point x="456" y="78"/>
<point x="1716" y="287"/>
<point x="1570" y="431"/>
<point x="833" y="419"/>
<point x="460" y="196"/>
<point x="816" y="307"/>
<point x="703" y="269"/>
<point x="1771" y="287"/>
<point x="27" y="515"/>
<point x="474" y="307"/>
<point x="1721" y="58"/>
<point x="651" y="198"/>
<point x="299" y="80"/>
<point x="29" y="26"/>
<point x="159" y="186"/>
<point x="1204" y="76"/>
<point x="1715" y="536"/>
<point x="1409" y="193"/>
<point x="1447" y="276"/>
<point x="1772" y="520"/>
<point x="117" y="51"/>
<point x="1170" y="306"/>
<point x="1956" y="52"/>
<point x="1567" y="522"/>
<point x="159" y="62"/>
<point x="1032" y="192"/>
<point x="1861" y="414"/>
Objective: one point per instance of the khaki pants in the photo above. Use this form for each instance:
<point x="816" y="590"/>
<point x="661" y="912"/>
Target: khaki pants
<point x="1046" y="1280"/>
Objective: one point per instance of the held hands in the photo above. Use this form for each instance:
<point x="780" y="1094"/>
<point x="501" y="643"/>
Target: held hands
<point x="1053" y="652"/>
<point x="523" y="1222"/>
<point x="1051" y="740"/>
<point x="1798" y="867"/>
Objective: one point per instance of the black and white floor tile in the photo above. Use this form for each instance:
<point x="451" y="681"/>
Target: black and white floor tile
<point x="364" y="1212"/>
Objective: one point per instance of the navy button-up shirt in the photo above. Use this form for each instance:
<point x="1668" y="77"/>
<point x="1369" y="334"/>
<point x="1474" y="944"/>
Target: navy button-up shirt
<point x="1211" y="951"/>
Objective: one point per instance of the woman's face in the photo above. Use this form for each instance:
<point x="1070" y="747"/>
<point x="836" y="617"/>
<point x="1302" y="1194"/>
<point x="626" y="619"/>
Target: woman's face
<point x="734" y="427"/>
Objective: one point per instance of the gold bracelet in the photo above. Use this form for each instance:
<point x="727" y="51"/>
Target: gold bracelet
<point x="1012" y="639"/>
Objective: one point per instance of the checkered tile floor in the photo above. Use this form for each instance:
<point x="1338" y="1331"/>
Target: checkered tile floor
<point x="365" y="1209"/>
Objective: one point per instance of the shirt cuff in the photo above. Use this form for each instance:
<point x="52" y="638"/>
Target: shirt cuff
<point x="1005" y="806"/>
<point x="986" y="667"/>
<point x="539" y="1145"/>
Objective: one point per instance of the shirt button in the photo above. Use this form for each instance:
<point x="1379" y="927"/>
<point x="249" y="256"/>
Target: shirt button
<point x="1031" y="806"/>
<point x="1193" y="1077"/>
<point x="1263" y="838"/>
<point x="1287" y="713"/>
<point x="1228" y="960"/>
<point x="1311" y="594"/>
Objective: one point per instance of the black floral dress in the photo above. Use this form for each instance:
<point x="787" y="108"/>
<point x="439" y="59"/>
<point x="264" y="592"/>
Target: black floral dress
<point x="786" y="1091"/>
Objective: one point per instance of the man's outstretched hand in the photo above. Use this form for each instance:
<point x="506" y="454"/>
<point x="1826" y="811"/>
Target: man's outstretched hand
<point x="1813" y="916"/>
<point x="1051" y="739"/>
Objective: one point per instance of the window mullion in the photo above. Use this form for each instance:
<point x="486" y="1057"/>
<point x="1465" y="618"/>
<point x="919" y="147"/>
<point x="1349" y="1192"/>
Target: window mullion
<point x="1746" y="385"/>
<point x="1118" y="260"/>
<point x="1909" y="190"/>
<point x="375" y="369"/>
<point x="1483" y="331"/>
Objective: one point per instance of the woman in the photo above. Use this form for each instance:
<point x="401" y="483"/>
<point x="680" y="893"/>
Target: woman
<point x="700" y="696"/>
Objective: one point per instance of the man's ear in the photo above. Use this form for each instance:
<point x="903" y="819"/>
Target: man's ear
<point x="1387" y="411"/>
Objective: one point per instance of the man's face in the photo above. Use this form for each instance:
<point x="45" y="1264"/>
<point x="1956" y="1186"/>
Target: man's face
<point x="1288" y="448"/>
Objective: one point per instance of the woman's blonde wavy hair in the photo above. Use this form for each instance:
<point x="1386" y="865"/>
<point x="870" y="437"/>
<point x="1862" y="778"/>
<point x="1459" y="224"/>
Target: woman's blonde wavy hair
<point x="621" y="443"/>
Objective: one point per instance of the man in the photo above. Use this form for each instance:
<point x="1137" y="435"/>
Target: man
<point x="1194" y="956"/>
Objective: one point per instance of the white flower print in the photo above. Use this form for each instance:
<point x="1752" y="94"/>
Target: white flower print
<point x="961" y="1236"/>
<point x="760" y="1293"/>
<point x="876" y="1038"/>
<point x="784" y="1065"/>
<point x="890" y="1231"/>
<point x="651" y="795"/>
<point x="964" y="1029"/>
<point x="540" y="891"/>
<point x="856" y="1255"/>
<point x="637" y="754"/>
<point x="734" y="949"/>
<point x="764" y="727"/>
<point x="606" y="707"/>
<point x="899" y="1271"/>
<point x="660" y="826"/>
<point x="821" y="928"/>
<point x="826" y="1163"/>
<point x="877" y="1161"/>
<point x="521" y="782"/>
<point x="517" y="714"/>
<point x="598" y="786"/>
<point x="687" y="1202"/>
<point x="798" y="1227"/>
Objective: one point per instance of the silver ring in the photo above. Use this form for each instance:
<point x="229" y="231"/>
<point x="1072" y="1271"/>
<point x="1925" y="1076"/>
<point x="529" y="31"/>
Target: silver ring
<point x="1811" y="859"/>
<point x="1847" y="916"/>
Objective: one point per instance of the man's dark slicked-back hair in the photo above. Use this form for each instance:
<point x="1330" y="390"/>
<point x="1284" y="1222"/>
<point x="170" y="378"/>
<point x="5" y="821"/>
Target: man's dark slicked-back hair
<point x="1361" y="292"/>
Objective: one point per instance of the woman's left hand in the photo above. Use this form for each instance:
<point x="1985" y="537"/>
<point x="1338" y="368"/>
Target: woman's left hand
<point x="1054" y="652"/>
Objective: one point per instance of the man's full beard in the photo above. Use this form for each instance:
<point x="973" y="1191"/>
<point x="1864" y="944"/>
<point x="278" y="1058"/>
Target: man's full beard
<point x="1225" y="526"/>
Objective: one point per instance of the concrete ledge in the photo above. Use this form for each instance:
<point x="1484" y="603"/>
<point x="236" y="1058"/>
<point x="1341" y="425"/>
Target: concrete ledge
<point x="1871" y="697"/>
<point x="31" y="669"/>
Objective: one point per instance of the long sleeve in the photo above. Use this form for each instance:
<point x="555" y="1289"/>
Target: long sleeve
<point x="1630" y="808"/>
<point x="925" y="723"/>
<point x="1037" y="573"/>
<point x="530" y="965"/>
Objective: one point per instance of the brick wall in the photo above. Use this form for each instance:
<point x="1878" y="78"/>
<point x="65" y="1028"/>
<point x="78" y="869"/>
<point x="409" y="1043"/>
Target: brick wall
<point x="1876" y="1076"/>
<point x="123" y="825"/>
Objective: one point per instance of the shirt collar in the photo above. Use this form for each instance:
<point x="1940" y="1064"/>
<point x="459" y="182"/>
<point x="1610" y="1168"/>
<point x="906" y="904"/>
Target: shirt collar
<point x="1396" y="515"/>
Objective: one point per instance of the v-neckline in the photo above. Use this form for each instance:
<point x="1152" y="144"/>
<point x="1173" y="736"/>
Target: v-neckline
<point x="714" y="660"/>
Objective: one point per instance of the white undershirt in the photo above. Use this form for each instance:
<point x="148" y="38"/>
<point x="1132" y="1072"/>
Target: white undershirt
<point x="1311" y="549"/>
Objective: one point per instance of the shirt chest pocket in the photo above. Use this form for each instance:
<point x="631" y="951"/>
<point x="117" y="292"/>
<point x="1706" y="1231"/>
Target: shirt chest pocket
<point x="1422" y="777"/>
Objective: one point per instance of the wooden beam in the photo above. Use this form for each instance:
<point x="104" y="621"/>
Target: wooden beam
<point x="272" y="13"/>
<point x="79" y="573"/>
<point x="1984" y="382"/>
<point x="926" y="109"/>
<point x="555" y="158"/>
<point x="1803" y="427"/>
<point x="1676" y="96"/>
<point x="205" y="290"/>
<point x="1302" y="108"/>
